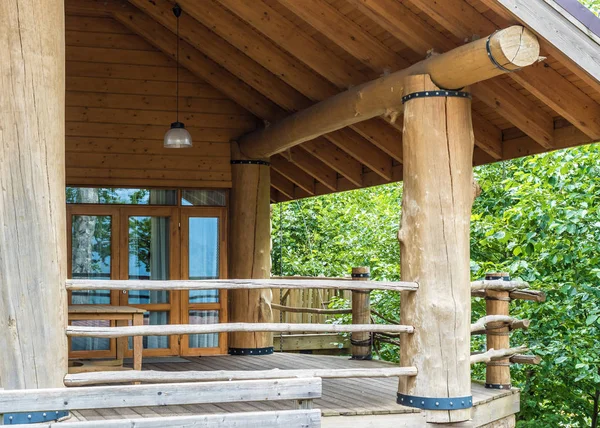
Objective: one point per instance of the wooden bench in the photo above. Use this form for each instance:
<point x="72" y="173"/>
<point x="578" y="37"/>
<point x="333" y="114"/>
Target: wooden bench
<point x="301" y="391"/>
<point x="121" y="315"/>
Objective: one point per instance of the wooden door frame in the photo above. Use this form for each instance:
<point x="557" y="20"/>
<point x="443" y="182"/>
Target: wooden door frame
<point x="174" y="304"/>
<point x="178" y="265"/>
<point x="221" y="213"/>
<point x="96" y="210"/>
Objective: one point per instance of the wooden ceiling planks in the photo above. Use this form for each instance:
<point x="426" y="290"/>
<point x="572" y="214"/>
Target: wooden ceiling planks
<point x="262" y="43"/>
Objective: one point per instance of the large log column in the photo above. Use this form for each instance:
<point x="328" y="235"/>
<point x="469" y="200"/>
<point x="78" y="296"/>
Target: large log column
<point x="33" y="268"/>
<point x="434" y="242"/>
<point x="250" y="251"/>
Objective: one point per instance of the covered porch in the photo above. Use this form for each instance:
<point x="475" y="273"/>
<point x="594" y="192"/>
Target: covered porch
<point x="283" y="100"/>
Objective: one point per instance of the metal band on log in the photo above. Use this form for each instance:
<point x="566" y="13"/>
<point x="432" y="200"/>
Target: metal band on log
<point x="250" y="252"/>
<point x="512" y="48"/>
<point x="434" y="245"/>
<point x="361" y="314"/>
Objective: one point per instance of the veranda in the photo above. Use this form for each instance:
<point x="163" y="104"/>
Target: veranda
<point x="283" y="100"/>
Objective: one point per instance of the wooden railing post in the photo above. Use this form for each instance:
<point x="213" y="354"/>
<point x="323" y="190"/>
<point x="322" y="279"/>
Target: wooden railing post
<point x="497" y="373"/>
<point x="33" y="249"/>
<point x="434" y="248"/>
<point x="361" y="314"/>
<point x="250" y="251"/>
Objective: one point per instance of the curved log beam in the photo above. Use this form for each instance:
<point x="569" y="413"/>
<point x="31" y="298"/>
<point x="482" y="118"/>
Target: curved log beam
<point x="512" y="48"/>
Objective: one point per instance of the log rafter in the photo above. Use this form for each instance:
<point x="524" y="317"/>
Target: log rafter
<point x="515" y="47"/>
<point x="549" y="86"/>
<point x="324" y="62"/>
<point x="497" y="94"/>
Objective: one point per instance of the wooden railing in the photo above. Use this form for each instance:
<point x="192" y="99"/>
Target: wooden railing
<point x="175" y="329"/>
<point x="497" y="289"/>
<point x="492" y="324"/>
<point x="301" y="391"/>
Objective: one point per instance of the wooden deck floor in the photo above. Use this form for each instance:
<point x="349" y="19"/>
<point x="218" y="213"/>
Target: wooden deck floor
<point x="341" y="397"/>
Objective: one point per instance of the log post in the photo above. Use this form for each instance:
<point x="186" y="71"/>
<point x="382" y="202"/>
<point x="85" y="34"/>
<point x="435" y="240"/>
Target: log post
<point x="497" y="373"/>
<point x="250" y="251"/>
<point x="434" y="244"/>
<point x="361" y="314"/>
<point x="33" y="251"/>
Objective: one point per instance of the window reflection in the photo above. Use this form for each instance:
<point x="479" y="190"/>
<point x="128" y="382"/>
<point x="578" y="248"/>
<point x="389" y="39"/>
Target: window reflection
<point x="203" y="256"/>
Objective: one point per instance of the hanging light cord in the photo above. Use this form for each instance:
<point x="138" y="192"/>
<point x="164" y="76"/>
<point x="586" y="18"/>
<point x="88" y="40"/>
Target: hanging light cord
<point x="177" y="79"/>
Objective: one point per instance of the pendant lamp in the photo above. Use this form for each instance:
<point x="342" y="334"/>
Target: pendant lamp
<point x="177" y="137"/>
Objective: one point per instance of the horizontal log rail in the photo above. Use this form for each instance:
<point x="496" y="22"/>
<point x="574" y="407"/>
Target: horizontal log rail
<point x="498" y="284"/>
<point x="104" y="397"/>
<point x="316" y="278"/>
<point x="497" y="354"/>
<point x="318" y="311"/>
<point x="238" y="284"/>
<point x="152" y="376"/>
<point x="176" y="329"/>
<point x="538" y="296"/>
<point x="525" y="359"/>
<point x="494" y="322"/>
<point x="305" y="418"/>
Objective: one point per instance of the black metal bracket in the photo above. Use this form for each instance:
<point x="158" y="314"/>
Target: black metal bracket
<point x="251" y="351"/>
<point x="362" y="358"/>
<point x="366" y="342"/>
<point x="33" y="417"/>
<point x="498" y="386"/>
<point x="361" y="275"/>
<point x="250" y="162"/>
<point x="494" y="277"/>
<point x="493" y="60"/>
<point x="436" y="93"/>
<point x="429" y="403"/>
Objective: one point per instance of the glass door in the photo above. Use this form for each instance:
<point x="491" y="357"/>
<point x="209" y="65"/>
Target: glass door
<point x="204" y="254"/>
<point x="150" y="251"/>
<point x="93" y="246"/>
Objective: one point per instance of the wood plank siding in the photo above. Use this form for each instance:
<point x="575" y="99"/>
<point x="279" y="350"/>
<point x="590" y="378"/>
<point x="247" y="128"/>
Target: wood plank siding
<point x="120" y="100"/>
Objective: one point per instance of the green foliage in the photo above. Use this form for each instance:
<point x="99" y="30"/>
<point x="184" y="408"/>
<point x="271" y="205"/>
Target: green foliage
<point x="593" y="5"/>
<point x="537" y="218"/>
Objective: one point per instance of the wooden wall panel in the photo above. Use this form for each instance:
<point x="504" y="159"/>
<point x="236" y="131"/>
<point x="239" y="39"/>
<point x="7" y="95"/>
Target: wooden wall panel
<point x="120" y="98"/>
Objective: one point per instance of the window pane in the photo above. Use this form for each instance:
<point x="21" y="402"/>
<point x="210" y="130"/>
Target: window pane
<point x="148" y="256"/>
<point x="154" y="342"/>
<point x="210" y="340"/>
<point x="215" y="198"/>
<point x="90" y="343"/>
<point x="90" y="257"/>
<point x="203" y="256"/>
<point x="105" y="195"/>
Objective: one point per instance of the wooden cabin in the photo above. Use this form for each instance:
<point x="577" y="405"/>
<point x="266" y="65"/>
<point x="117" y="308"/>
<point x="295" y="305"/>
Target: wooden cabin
<point x="114" y="246"/>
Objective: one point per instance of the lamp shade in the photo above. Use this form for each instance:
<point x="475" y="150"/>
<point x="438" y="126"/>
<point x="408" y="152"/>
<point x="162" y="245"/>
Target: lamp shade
<point x="177" y="137"/>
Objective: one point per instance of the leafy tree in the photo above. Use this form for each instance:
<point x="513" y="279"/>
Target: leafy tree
<point x="537" y="218"/>
<point x="593" y="5"/>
